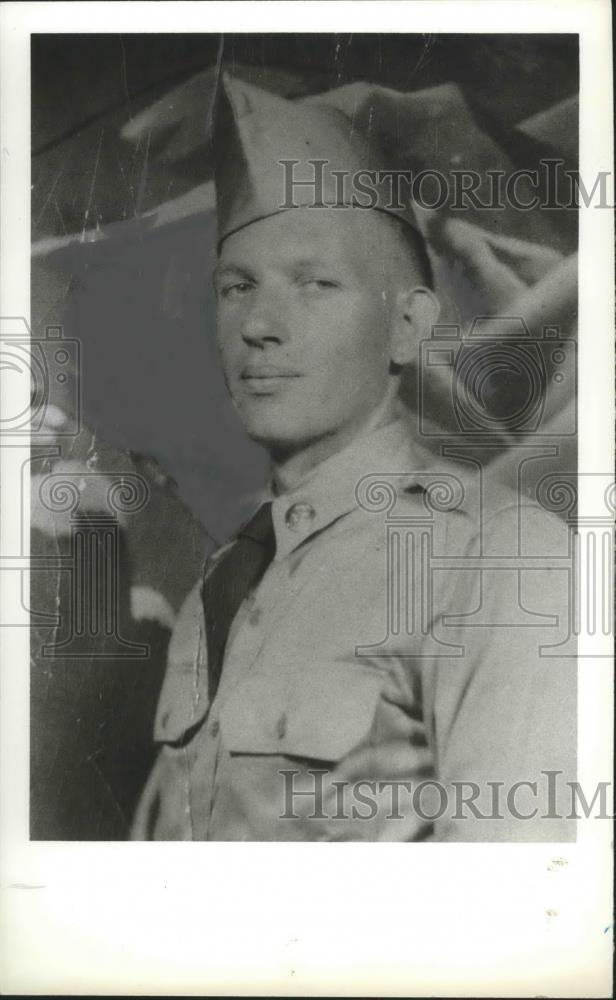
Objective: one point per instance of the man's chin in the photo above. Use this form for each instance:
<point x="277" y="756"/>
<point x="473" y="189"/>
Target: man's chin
<point x="278" y="436"/>
<point x="264" y="419"/>
<point x="273" y="439"/>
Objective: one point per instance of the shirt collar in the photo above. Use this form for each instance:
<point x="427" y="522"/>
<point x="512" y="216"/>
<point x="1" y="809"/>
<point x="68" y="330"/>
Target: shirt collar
<point x="330" y="490"/>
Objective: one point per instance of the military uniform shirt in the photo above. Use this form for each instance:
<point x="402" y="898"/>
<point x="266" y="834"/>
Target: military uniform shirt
<point x="328" y="690"/>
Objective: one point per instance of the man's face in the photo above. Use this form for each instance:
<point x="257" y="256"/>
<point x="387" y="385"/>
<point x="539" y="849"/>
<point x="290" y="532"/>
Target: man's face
<point x="304" y="324"/>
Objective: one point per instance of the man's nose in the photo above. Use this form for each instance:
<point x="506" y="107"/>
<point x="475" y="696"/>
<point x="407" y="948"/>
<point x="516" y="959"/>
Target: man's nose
<point x="263" y="323"/>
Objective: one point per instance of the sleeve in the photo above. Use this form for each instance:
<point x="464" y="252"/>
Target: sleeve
<point x="182" y="705"/>
<point x="144" y="820"/>
<point x="505" y="712"/>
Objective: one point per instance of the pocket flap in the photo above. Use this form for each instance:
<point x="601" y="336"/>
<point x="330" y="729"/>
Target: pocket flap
<point x="322" y="712"/>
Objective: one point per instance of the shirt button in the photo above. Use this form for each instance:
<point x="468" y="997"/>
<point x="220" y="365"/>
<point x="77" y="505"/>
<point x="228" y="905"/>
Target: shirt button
<point x="300" y="516"/>
<point x="215" y="728"/>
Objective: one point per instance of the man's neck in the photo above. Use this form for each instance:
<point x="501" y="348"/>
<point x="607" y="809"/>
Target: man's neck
<point x="290" y="471"/>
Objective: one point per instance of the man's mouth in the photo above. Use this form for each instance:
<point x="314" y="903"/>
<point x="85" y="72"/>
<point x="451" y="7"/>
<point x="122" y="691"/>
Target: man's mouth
<point x="265" y="379"/>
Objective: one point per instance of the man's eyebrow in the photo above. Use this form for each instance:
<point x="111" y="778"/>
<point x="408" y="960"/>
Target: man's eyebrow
<point x="315" y="261"/>
<point x="231" y="268"/>
<point x="324" y="263"/>
<point x="293" y="265"/>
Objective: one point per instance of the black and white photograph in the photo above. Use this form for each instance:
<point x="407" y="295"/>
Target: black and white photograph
<point x="310" y="548"/>
<point x="318" y="301"/>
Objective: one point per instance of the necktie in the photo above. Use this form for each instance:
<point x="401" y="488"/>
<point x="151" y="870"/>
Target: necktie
<point x="230" y="582"/>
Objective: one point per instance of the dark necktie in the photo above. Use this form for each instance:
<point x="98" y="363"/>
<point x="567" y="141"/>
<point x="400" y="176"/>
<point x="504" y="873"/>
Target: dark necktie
<point x="230" y="582"/>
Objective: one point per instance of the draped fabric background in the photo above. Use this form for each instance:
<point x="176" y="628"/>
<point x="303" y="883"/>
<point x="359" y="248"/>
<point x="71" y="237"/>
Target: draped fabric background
<point x="123" y="234"/>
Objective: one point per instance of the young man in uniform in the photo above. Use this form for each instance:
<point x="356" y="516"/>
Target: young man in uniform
<point x="296" y="705"/>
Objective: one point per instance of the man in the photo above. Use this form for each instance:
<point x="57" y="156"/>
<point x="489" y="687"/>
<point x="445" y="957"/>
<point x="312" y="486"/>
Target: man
<point x="296" y="706"/>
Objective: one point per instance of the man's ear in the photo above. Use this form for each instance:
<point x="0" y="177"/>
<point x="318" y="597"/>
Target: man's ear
<point x="417" y="310"/>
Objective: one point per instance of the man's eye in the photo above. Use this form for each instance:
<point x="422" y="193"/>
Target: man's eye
<point x="236" y="290"/>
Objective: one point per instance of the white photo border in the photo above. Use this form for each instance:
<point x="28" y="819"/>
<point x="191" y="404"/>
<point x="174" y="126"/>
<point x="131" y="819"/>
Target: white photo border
<point x="317" y="919"/>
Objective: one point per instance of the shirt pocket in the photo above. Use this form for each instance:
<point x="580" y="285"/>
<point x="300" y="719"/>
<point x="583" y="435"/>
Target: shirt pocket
<point x="321" y="712"/>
